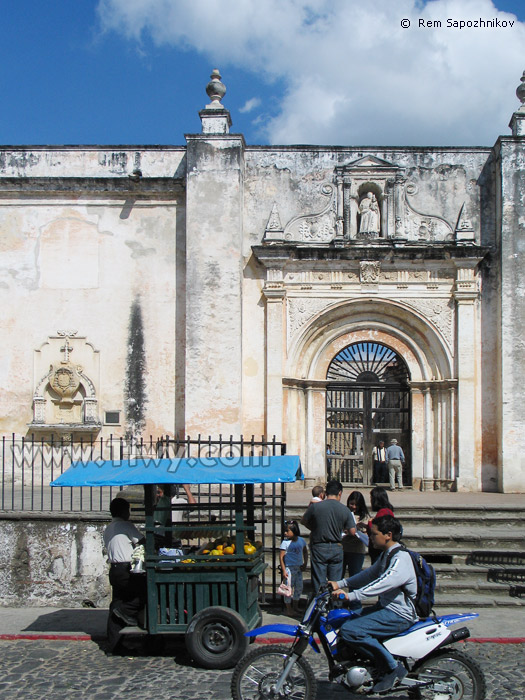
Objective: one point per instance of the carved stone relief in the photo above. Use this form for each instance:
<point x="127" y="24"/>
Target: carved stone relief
<point x="422" y="226"/>
<point x="274" y="221"/>
<point x="300" y="311"/>
<point x="64" y="394"/>
<point x="369" y="271"/>
<point x="440" y="312"/>
<point x="316" y="227"/>
<point x="315" y="276"/>
<point x="371" y="201"/>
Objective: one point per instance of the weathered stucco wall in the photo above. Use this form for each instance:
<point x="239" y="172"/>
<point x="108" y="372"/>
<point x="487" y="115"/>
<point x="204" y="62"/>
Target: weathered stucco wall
<point x="79" y="241"/>
<point x="53" y="560"/>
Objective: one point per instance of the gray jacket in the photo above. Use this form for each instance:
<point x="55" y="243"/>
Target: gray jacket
<point x="396" y="585"/>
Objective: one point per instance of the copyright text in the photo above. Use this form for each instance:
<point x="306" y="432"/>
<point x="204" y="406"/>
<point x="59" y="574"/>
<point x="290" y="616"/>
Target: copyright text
<point x="460" y="23"/>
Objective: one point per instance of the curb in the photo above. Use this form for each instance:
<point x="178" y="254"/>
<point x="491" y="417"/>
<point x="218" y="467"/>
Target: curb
<point x="36" y="637"/>
<point x="497" y="640"/>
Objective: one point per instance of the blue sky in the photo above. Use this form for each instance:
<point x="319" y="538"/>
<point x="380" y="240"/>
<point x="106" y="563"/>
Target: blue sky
<point x="319" y="71"/>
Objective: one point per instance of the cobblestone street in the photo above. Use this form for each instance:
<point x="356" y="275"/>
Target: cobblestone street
<point x="63" y="670"/>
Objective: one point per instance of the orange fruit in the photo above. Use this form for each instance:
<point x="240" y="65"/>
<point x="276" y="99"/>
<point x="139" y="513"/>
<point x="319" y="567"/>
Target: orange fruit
<point x="228" y="550"/>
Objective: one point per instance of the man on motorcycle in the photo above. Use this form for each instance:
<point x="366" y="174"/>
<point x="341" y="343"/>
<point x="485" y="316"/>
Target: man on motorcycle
<point x="393" y="579"/>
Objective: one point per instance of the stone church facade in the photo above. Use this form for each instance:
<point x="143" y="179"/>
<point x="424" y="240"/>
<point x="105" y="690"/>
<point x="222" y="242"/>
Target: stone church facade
<point x="330" y="296"/>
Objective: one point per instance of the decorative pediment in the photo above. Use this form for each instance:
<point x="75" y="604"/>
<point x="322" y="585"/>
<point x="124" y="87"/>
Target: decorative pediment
<point x="369" y="161"/>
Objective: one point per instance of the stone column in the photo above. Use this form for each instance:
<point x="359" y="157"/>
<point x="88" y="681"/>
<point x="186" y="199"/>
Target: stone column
<point x="428" y="467"/>
<point x="214" y="265"/>
<point x="451" y="442"/>
<point x="39" y="409"/>
<point x="275" y="296"/>
<point x="510" y="155"/>
<point x="418" y="435"/>
<point x="467" y="363"/>
<point x="399" y="207"/>
<point x="315" y="433"/>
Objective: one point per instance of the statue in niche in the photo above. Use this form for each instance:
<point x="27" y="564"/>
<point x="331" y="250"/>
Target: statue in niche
<point x="370" y="220"/>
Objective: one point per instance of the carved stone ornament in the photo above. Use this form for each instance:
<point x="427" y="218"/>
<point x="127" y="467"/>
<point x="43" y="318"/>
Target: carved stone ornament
<point x="464" y="230"/>
<point x="64" y="380"/>
<point x="274" y="221"/>
<point x="425" y="227"/>
<point x="316" y="227"/>
<point x="440" y="312"/>
<point x="369" y="271"/>
<point x="300" y="311"/>
<point x="65" y="396"/>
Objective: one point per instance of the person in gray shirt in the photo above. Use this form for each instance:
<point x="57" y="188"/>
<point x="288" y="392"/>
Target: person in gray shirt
<point x="327" y="522"/>
<point x="395" y="458"/>
<point x="393" y="579"/>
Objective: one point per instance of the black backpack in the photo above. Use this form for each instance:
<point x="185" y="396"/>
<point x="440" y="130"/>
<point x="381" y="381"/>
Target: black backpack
<point x="426" y="581"/>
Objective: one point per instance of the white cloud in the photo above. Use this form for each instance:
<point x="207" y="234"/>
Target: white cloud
<point x="353" y="75"/>
<point x="250" y="105"/>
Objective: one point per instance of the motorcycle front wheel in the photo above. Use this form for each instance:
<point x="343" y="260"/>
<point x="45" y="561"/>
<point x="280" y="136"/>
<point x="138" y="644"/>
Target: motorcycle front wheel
<point x="256" y="674"/>
<point x="455" y="669"/>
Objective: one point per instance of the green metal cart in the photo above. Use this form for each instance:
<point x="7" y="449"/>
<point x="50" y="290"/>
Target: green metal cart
<point x="213" y="599"/>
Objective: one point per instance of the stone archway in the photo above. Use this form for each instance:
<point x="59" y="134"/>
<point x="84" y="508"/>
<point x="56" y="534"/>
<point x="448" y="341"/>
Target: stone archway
<point x="367" y="401"/>
<point x="429" y="364"/>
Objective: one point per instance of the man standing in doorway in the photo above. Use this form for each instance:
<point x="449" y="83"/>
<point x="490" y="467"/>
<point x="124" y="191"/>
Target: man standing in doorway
<point x="327" y="521"/>
<point x="379" y="472"/>
<point x="395" y="459"/>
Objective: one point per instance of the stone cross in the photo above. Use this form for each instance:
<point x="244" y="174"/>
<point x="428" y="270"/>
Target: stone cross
<point x="66" y="348"/>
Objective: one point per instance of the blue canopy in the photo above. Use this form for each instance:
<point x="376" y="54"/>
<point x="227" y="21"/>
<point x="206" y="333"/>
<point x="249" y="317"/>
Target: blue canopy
<point x="212" y="470"/>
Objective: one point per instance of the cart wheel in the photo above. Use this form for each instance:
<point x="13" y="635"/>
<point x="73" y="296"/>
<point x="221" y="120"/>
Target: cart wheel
<point x="215" y="638"/>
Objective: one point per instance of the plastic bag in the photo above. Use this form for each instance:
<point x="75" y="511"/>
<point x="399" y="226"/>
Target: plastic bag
<point x="285" y="588"/>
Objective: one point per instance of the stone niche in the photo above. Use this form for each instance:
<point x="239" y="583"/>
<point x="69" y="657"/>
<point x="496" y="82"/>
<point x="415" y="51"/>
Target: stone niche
<point x="370" y="199"/>
<point x="66" y="375"/>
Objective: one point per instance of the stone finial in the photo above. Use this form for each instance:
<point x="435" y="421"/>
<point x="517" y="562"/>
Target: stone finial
<point x="215" y="90"/>
<point x="517" y="123"/>
<point x="520" y="90"/>
<point x="215" y="118"/>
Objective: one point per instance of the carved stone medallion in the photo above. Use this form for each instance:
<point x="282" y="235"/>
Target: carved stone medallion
<point x="369" y="271"/>
<point x="64" y="380"/>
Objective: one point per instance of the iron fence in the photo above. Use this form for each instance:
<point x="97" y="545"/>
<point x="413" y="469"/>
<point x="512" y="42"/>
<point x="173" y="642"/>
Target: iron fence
<point x="29" y="465"/>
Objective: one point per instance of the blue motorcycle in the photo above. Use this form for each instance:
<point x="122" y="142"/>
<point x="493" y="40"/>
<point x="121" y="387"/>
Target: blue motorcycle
<point x="435" y="671"/>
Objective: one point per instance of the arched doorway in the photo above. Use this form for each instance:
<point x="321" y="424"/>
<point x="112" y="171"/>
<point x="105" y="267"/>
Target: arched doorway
<point x="367" y="400"/>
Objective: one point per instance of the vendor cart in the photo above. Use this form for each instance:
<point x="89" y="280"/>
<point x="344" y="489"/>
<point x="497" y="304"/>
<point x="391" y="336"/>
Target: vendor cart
<point x="204" y="582"/>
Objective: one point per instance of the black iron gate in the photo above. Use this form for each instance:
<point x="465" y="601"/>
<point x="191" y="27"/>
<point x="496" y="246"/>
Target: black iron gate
<point x="371" y="404"/>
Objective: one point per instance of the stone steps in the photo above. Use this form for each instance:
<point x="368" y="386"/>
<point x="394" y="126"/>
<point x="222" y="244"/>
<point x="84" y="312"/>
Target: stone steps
<point x="466" y="544"/>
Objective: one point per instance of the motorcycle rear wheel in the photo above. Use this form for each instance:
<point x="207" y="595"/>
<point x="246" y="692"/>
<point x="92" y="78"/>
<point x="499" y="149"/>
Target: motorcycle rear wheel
<point x="467" y="677"/>
<point x="256" y="673"/>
